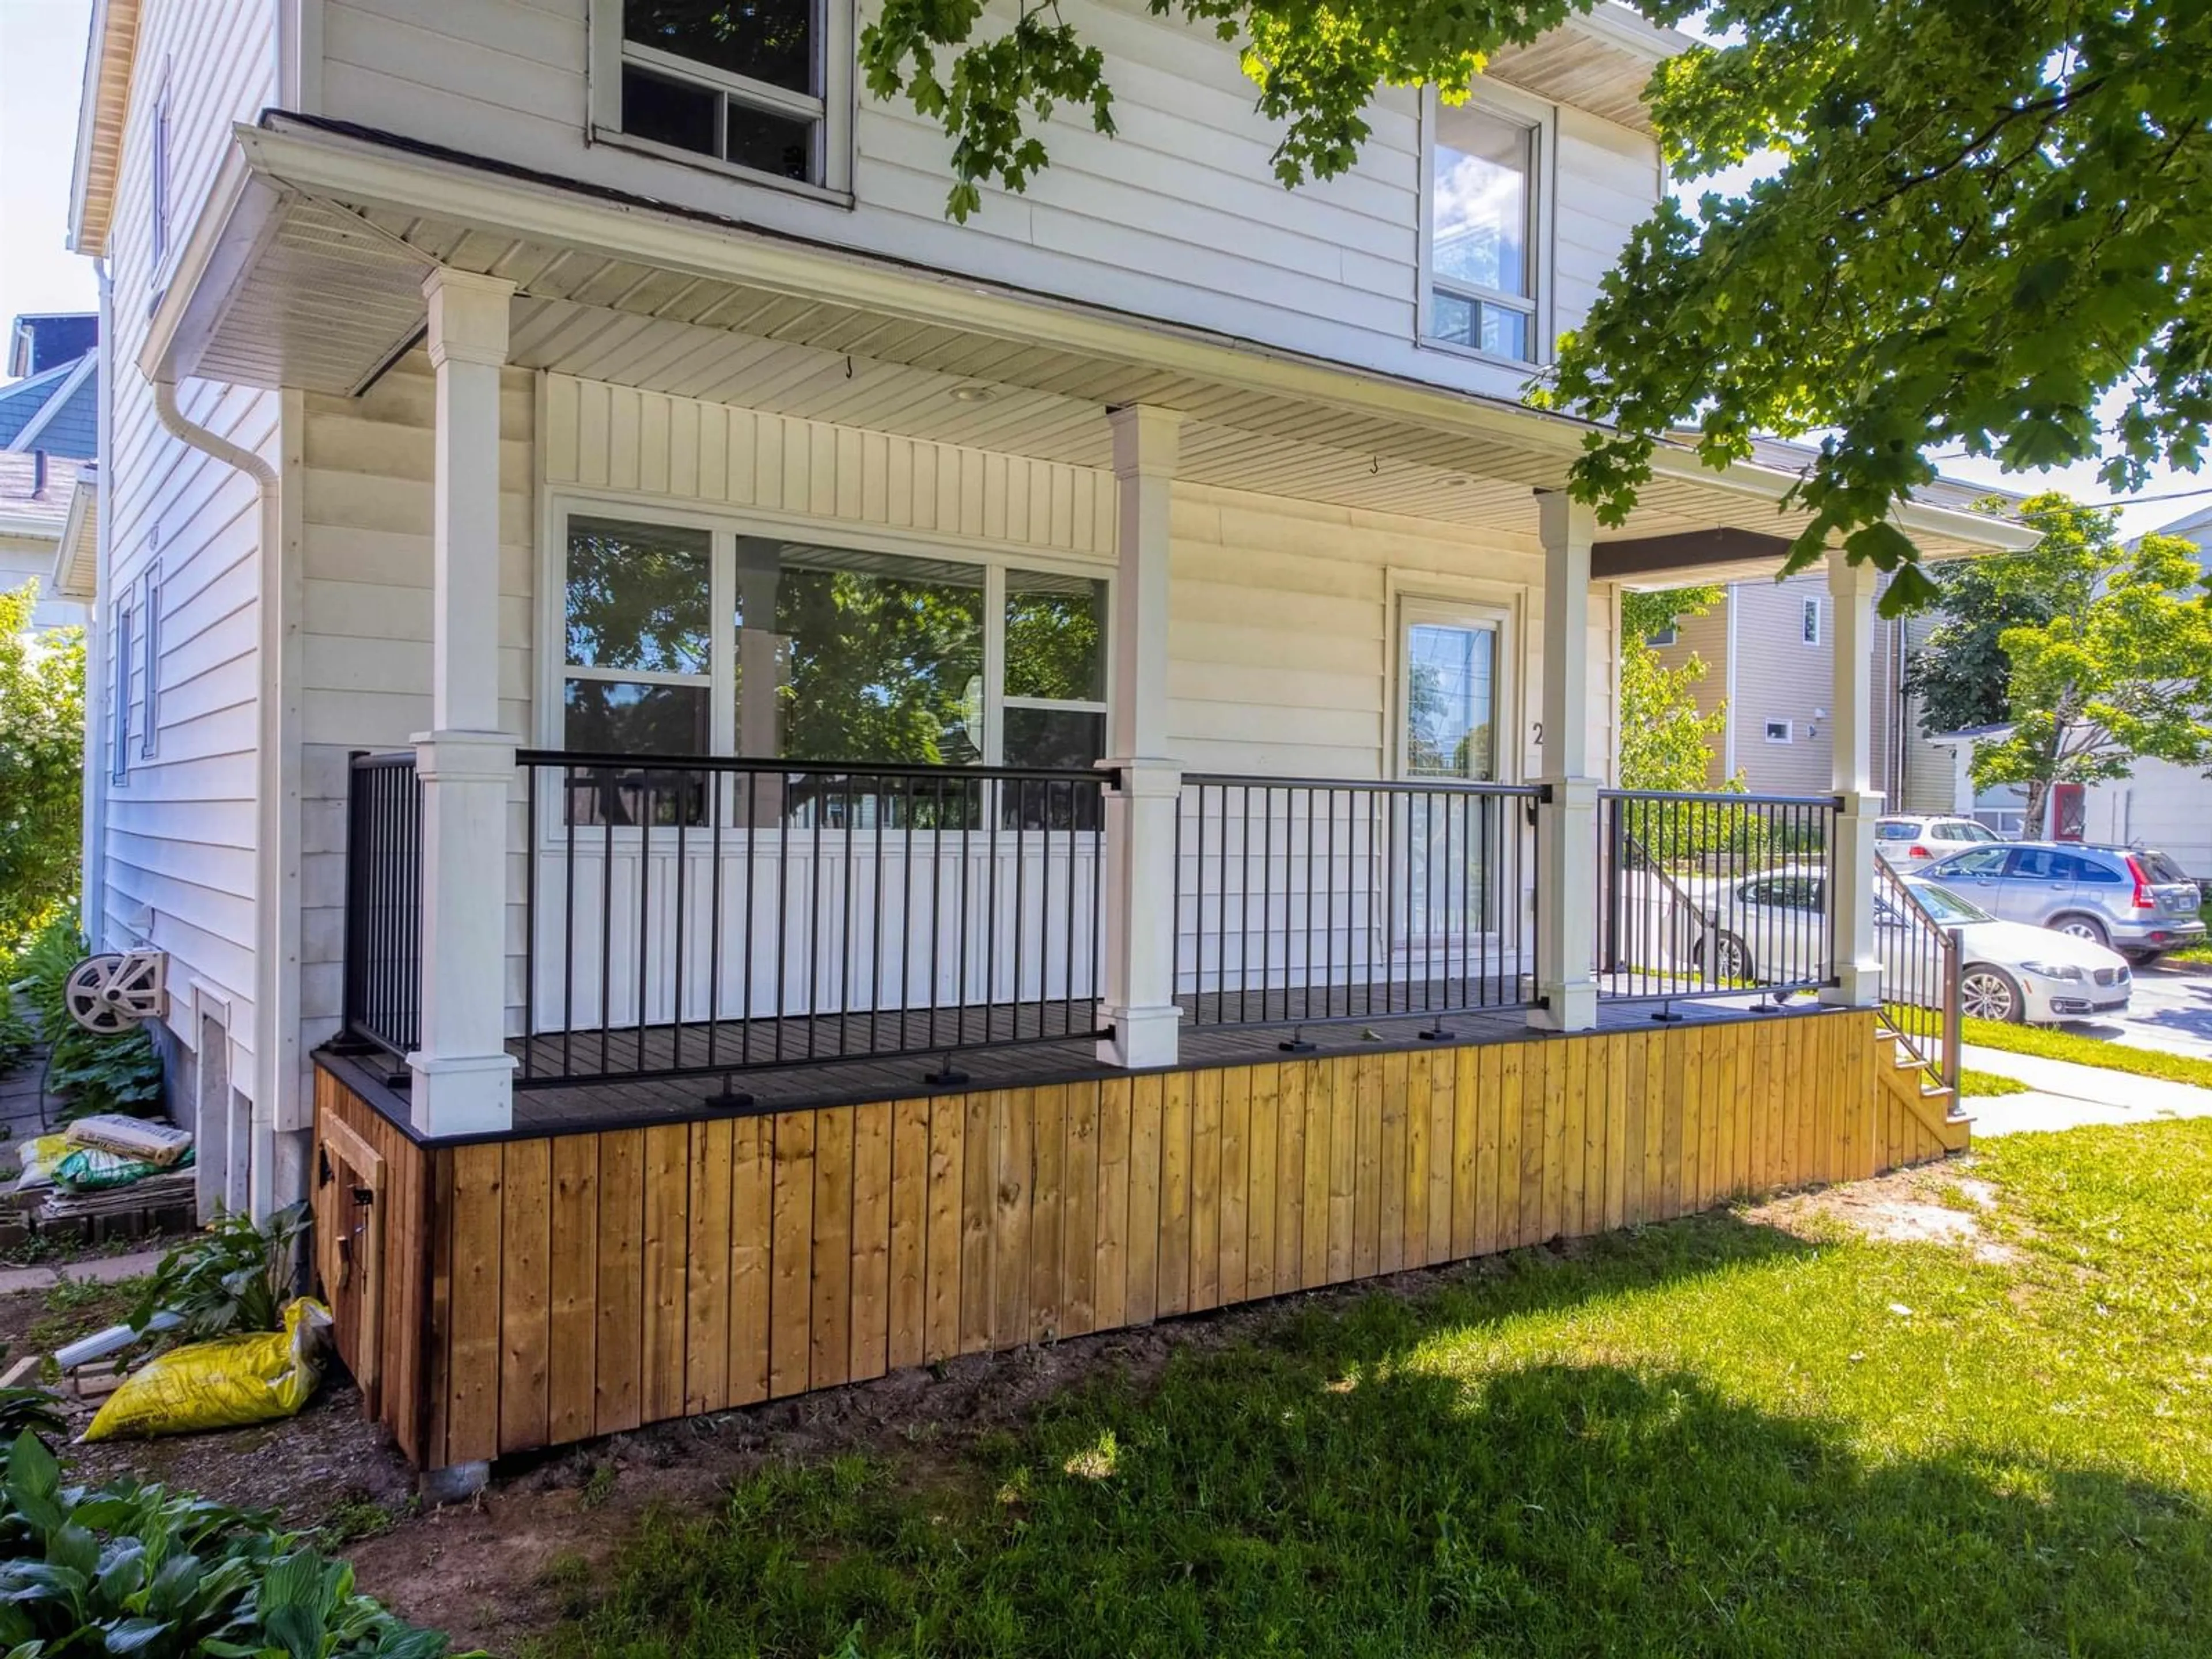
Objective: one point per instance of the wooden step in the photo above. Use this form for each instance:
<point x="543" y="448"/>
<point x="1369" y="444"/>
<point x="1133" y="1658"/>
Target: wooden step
<point x="1933" y="1104"/>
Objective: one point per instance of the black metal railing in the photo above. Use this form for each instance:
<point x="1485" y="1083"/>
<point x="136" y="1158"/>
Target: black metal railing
<point x="1305" y="902"/>
<point x="1709" y="895"/>
<point x="1917" y="938"/>
<point x="689" y="917"/>
<point x="384" y="901"/>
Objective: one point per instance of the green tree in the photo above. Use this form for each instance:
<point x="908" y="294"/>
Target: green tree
<point x="2122" y="666"/>
<point x="1666" y="741"/>
<point x="1986" y="217"/>
<point x="1960" y="673"/>
<point x="41" y="767"/>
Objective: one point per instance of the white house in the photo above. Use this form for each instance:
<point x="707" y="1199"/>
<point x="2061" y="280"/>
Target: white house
<point x="1140" y="616"/>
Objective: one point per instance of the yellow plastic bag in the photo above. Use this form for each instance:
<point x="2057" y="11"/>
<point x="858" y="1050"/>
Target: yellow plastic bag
<point x="220" y="1384"/>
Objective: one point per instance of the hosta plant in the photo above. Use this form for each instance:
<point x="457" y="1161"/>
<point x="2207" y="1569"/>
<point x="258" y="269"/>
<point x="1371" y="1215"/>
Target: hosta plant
<point x="141" y="1570"/>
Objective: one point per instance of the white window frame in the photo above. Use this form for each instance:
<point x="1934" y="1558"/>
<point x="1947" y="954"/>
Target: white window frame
<point x="1541" y="120"/>
<point x="161" y="183"/>
<point x="149" y="660"/>
<point x="1809" y="629"/>
<point x="120" y="638"/>
<point x="834" y="112"/>
<point x="1660" y="638"/>
<point x="1413" y="605"/>
<point x="726" y="528"/>
<point x="1789" y="732"/>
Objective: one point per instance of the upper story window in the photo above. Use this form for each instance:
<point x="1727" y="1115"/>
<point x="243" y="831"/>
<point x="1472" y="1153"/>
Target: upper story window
<point x="162" y="184"/>
<point x="1809" y="625"/>
<point x="1483" y="268"/>
<point x="1660" y="638"/>
<point x="760" y="86"/>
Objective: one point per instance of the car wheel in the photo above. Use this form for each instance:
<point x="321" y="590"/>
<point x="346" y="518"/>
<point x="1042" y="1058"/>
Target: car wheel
<point x="2087" y="927"/>
<point x="1987" y="992"/>
<point x="2142" y="959"/>
<point x="1732" y="963"/>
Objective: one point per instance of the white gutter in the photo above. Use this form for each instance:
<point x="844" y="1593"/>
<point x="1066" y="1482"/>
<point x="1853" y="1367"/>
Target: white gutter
<point x="277" y="810"/>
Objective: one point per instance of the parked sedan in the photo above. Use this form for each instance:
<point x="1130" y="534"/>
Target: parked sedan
<point x="2010" y="971"/>
<point x="1912" y="844"/>
<point x="1770" y="930"/>
<point x="2134" y="900"/>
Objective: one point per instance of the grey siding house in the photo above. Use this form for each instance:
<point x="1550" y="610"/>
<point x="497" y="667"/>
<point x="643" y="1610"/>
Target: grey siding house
<point x="1769" y="655"/>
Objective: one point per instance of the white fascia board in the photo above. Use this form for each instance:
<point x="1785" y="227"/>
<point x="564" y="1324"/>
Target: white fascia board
<point x="1628" y="32"/>
<point x="87" y="103"/>
<point x="363" y="173"/>
<point x="76" y="560"/>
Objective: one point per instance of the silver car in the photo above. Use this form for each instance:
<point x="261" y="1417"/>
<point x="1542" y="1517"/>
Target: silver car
<point x="1910" y="844"/>
<point x="2133" y="900"/>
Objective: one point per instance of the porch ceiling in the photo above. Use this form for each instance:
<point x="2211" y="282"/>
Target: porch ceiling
<point x="308" y="274"/>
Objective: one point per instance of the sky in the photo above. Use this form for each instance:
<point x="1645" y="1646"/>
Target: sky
<point x="41" y="60"/>
<point x="41" y="63"/>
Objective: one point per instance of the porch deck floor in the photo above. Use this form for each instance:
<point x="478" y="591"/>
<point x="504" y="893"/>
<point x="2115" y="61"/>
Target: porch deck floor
<point x="544" y="1108"/>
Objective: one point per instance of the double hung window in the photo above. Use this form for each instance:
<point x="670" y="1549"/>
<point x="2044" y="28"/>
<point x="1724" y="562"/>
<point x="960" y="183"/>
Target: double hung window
<point x="761" y="85"/>
<point x="1482" y="245"/>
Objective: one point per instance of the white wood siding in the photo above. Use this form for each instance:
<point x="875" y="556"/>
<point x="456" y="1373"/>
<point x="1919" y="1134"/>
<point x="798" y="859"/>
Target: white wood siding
<point x="181" y="832"/>
<point x="1179" y="217"/>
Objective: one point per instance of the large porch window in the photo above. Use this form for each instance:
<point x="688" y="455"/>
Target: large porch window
<point x="685" y="638"/>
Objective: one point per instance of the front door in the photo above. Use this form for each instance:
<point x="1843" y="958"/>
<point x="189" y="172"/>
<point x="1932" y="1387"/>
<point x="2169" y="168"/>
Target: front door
<point x="1440" y="843"/>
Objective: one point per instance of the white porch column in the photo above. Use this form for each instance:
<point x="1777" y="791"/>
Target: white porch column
<point x="1141" y="803"/>
<point x="1856" y="969"/>
<point x="1566" y="826"/>
<point x="463" y="1072"/>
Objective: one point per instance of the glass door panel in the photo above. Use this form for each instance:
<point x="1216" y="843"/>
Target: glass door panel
<point x="1440" y="844"/>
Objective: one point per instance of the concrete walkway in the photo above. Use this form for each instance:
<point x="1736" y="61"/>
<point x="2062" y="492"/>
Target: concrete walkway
<point x="97" y="1269"/>
<point x="2066" y="1094"/>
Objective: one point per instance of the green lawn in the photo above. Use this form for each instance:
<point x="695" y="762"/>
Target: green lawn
<point x="1706" y="1438"/>
<point x="2051" y="1043"/>
<point x="2197" y="952"/>
<point x="1987" y="1086"/>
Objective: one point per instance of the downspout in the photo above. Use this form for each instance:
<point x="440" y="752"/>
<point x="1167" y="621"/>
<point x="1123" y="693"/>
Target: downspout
<point x="277" y="924"/>
<point x="92" y="901"/>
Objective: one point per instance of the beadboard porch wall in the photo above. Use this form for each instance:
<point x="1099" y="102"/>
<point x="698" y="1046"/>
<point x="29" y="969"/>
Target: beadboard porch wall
<point x="1280" y="612"/>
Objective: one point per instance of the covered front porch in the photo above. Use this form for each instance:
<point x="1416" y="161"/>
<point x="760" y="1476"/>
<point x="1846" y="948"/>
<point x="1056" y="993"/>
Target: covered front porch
<point x="895" y="775"/>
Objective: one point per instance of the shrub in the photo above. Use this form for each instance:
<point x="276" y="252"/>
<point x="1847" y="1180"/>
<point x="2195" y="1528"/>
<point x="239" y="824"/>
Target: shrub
<point x="41" y="765"/>
<point x="126" y="1568"/>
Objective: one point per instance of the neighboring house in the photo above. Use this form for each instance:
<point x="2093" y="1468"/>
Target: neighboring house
<point x="2159" y="803"/>
<point x="48" y="516"/>
<point x="852" y="692"/>
<point x="55" y="406"/>
<point x="1768" y="648"/>
<point x="49" y="436"/>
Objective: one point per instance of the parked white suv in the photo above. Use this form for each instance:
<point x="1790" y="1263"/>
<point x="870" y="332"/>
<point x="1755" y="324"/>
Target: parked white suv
<point x="1911" y="843"/>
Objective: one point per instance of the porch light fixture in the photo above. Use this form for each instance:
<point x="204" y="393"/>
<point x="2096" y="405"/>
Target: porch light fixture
<point x="972" y="394"/>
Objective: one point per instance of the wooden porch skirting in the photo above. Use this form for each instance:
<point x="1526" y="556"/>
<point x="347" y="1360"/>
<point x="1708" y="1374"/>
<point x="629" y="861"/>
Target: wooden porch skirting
<point x="504" y="1295"/>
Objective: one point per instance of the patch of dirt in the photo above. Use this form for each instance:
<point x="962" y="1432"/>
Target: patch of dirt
<point x="1904" y="1206"/>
